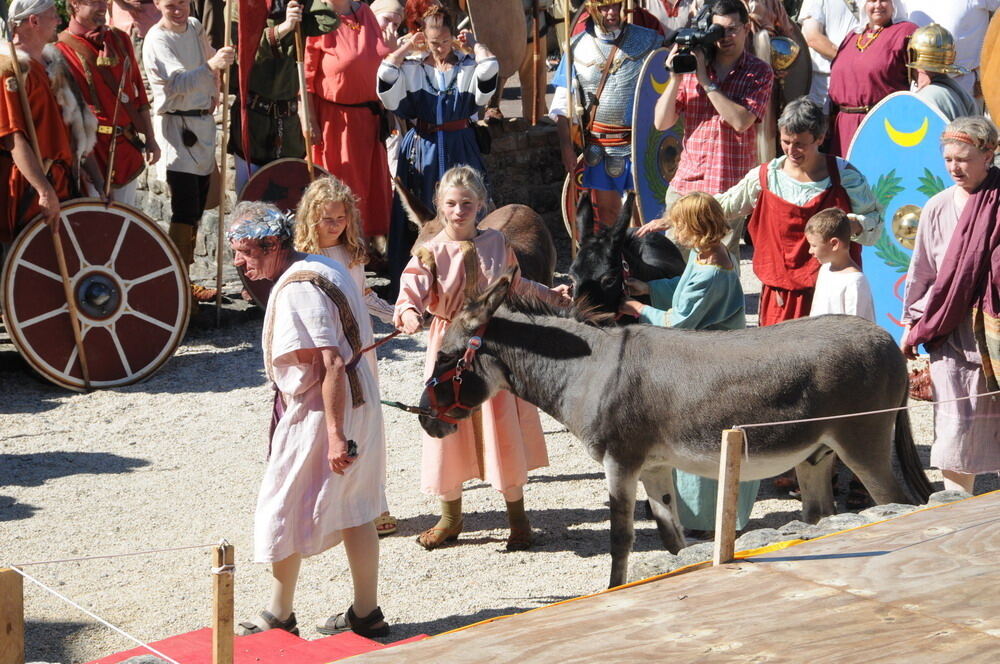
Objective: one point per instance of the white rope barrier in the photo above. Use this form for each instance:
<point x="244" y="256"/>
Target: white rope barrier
<point x="862" y="414"/>
<point x="95" y="616"/>
<point x="117" y="555"/>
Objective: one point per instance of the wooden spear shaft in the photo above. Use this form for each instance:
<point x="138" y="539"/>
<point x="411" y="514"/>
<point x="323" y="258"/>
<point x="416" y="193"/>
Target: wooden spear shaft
<point x="220" y="237"/>
<point x="571" y="113"/>
<point x="304" y="100"/>
<point x="113" y="149"/>
<point x="74" y="315"/>
<point x="536" y="50"/>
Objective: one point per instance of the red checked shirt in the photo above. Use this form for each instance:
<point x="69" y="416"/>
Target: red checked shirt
<point x="716" y="156"/>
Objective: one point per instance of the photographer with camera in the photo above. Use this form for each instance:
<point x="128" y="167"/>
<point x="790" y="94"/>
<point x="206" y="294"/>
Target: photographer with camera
<point x="607" y="60"/>
<point x="722" y="92"/>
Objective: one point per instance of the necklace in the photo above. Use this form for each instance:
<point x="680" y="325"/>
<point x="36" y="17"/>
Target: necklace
<point x="354" y="25"/>
<point x="868" y="42"/>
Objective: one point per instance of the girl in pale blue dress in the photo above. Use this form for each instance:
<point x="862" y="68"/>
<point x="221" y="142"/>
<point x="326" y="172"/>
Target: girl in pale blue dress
<point x="707" y="296"/>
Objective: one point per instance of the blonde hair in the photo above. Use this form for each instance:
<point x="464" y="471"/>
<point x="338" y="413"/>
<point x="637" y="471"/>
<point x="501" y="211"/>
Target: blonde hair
<point x="699" y="216"/>
<point x="465" y="177"/>
<point x="828" y="224"/>
<point x="976" y="131"/>
<point x="320" y="193"/>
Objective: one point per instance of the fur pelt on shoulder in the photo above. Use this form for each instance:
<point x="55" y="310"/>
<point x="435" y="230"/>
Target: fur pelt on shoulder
<point x="76" y="114"/>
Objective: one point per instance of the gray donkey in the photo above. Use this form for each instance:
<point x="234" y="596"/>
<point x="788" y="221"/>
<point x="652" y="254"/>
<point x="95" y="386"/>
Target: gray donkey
<point x="641" y="418"/>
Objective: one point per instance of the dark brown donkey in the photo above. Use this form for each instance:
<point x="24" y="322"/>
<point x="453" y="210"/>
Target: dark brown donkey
<point x="524" y="229"/>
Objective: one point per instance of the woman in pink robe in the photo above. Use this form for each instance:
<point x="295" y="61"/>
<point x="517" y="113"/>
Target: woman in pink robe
<point x="870" y="65"/>
<point x="341" y="69"/>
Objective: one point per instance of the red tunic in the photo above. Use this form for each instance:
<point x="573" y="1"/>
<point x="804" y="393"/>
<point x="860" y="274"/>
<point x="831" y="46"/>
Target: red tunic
<point x="19" y="203"/>
<point x="863" y="78"/>
<point x="781" y="257"/>
<point x="341" y="68"/>
<point x="102" y="99"/>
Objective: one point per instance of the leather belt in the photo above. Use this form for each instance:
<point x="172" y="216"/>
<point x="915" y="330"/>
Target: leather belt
<point x="854" y="109"/>
<point x="196" y="113"/>
<point x="454" y="125"/>
<point x="282" y="108"/>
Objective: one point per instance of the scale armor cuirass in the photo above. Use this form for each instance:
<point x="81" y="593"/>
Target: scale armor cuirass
<point x="589" y="56"/>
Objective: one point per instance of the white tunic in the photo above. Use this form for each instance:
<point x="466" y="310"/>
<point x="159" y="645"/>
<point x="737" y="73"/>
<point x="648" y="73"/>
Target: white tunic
<point x="302" y="505"/>
<point x="181" y="80"/>
<point x="842" y="292"/>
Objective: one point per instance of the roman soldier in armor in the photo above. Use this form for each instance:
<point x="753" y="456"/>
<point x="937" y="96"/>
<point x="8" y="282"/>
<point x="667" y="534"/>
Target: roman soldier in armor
<point x="45" y="128"/>
<point x="104" y="65"/>
<point x="607" y="59"/>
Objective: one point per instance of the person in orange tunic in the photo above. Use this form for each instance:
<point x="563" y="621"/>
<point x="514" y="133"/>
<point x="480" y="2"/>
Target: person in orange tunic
<point x="101" y="57"/>
<point x="64" y="128"/>
<point x="341" y="69"/>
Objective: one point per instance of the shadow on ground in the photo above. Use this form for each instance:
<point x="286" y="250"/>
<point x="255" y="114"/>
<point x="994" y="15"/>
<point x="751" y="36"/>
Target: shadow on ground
<point x="51" y="641"/>
<point x="36" y="469"/>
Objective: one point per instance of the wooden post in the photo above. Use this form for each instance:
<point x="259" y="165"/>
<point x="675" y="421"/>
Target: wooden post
<point x="223" y="628"/>
<point x="728" y="496"/>
<point x="11" y="617"/>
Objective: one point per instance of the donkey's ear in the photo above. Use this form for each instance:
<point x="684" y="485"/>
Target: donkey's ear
<point x="624" y="219"/>
<point x="481" y="310"/>
<point x="418" y="213"/>
<point x="584" y="218"/>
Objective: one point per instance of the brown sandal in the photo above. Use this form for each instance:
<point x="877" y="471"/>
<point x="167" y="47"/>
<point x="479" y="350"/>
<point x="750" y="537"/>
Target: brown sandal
<point x="519" y="540"/>
<point x="270" y="622"/>
<point x="432" y="538"/>
<point x="367" y="627"/>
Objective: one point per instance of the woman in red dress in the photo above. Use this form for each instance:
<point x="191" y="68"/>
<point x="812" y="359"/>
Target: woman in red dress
<point x="341" y="71"/>
<point x="870" y="65"/>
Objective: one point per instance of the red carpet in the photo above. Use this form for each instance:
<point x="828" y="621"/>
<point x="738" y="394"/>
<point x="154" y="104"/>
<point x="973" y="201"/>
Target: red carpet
<point x="271" y="646"/>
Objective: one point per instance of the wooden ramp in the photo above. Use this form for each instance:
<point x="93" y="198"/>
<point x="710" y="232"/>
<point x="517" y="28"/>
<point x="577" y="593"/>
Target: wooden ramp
<point x="919" y="588"/>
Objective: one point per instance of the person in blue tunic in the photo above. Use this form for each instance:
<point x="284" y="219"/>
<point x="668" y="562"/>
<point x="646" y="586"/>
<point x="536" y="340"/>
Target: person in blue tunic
<point x="707" y="296"/>
<point x="433" y="81"/>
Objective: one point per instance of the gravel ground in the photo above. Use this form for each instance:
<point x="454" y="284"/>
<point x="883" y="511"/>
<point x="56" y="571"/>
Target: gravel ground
<point x="177" y="460"/>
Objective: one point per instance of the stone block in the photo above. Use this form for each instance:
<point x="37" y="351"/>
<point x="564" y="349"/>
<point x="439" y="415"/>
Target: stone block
<point x="755" y="539"/>
<point x="887" y="511"/>
<point x="945" y="497"/>
<point x="648" y="566"/>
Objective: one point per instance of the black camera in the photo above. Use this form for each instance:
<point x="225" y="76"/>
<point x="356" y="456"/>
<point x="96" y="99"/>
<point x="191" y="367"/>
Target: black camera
<point x="704" y="35"/>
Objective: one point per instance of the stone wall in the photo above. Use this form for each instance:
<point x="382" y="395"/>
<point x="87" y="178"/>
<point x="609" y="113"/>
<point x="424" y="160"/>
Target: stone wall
<point x="524" y="167"/>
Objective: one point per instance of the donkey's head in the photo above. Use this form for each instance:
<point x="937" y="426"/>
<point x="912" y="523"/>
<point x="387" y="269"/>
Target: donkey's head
<point x="462" y="379"/>
<point x="598" y="277"/>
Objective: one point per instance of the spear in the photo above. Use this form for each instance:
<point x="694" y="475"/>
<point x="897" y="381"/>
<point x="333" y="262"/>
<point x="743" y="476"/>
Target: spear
<point x="304" y="99"/>
<point x="112" y="150"/>
<point x="536" y="54"/>
<point x="22" y="94"/>
<point x="221" y="235"/>
<point x="570" y="111"/>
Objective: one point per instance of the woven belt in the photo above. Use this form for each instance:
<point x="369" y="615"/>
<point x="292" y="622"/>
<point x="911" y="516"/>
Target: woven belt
<point x="454" y="125"/>
<point x="854" y="109"/>
<point x="610" y="135"/>
<point x="196" y="113"/>
<point x="274" y="108"/>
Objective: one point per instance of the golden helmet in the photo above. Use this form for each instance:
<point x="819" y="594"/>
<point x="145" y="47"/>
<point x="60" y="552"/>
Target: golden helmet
<point x="784" y="51"/>
<point x="932" y="48"/>
<point x="594" y="7"/>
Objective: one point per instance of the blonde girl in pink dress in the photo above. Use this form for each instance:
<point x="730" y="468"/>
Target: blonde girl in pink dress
<point x="328" y="223"/>
<point x="504" y="440"/>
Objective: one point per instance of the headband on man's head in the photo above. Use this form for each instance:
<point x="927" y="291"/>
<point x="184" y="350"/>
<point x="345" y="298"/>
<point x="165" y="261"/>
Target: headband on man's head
<point x="962" y="137"/>
<point x="22" y="9"/>
<point x="270" y="223"/>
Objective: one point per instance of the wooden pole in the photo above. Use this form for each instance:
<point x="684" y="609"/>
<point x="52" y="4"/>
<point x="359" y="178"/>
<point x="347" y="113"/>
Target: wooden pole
<point x="223" y="167"/>
<point x="113" y="149"/>
<point x="74" y="315"/>
<point x="11" y="617"/>
<point x="569" y="23"/>
<point x="304" y="100"/>
<point x="222" y="611"/>
<point x="728" y="496"/>
<point x="536" y="54"/>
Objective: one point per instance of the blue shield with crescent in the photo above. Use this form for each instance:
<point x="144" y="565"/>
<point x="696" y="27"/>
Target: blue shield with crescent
<point x="655" y="154"/>
<point x="897" y="149"/>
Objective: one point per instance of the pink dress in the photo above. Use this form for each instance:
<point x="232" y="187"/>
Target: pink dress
<point x="510" y="441"/>
<point x="341" y="68"/>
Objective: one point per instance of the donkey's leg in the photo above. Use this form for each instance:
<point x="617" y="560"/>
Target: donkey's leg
<point x="622" y="484"/>
<point x="659" y="484"/>
<point x="865" y="446"/>
<point x="815" y="476"/>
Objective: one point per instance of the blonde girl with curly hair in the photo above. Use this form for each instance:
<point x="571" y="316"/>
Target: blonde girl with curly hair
<point x="327" y="223"/>
<point x="707" y="296"/>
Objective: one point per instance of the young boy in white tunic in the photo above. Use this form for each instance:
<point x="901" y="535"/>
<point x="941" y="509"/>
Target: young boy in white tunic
<point x="841" y="287"/>
<point x="325" y="476"/>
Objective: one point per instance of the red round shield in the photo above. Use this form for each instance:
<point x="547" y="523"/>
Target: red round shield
<point x="281" y="182"/>
<point x="130" y="290"/>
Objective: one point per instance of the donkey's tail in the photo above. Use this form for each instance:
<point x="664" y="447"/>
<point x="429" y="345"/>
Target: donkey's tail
<point x="909" y="461"/>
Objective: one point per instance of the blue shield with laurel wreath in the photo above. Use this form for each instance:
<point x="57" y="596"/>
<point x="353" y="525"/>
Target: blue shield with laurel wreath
<point x="897" y="149"/>
<point x="655" y="154"/>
